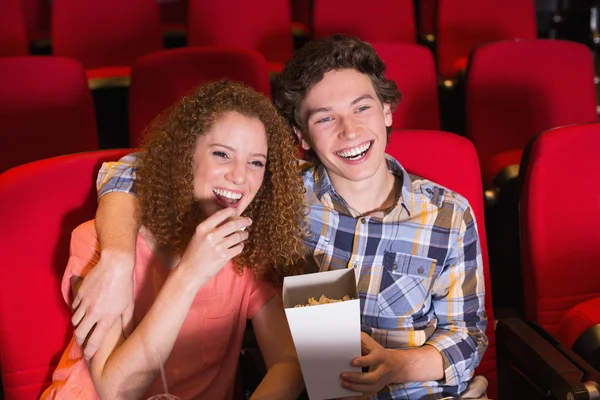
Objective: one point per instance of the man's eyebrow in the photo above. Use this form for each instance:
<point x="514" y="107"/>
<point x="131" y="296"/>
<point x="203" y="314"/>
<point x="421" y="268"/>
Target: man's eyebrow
<point x="361" y="98"/>
<point x="314" y="111"/>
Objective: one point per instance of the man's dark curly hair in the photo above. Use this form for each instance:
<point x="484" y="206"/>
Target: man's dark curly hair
<point x="170" y="212"/>
<point x="310" y="63"/>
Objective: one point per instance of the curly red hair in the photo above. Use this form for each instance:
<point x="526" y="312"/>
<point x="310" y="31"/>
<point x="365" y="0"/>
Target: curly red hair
<point x="170" y="212"/>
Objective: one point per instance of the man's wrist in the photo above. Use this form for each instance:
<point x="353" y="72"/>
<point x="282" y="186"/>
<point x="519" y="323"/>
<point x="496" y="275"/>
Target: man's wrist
<point x="118" y="258"/>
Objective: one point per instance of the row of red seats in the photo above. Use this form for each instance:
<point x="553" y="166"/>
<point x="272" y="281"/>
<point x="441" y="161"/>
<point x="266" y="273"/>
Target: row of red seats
<point x="38" y="205"/>
<point x="113" y="33"/>
<point x="514" y="90"/>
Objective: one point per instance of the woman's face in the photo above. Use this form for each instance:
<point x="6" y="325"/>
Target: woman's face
<point x="229" y="163"/>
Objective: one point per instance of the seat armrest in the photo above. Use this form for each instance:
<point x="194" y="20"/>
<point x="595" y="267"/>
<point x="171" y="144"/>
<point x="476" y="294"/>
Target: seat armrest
<point x="553" y="369"/>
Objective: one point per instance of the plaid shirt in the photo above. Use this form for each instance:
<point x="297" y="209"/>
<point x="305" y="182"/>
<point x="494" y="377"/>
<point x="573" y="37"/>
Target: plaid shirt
<point x="418" y="266"/>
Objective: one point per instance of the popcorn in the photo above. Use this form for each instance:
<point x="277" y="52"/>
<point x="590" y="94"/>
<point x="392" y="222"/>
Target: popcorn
<point x="323" y="300"/>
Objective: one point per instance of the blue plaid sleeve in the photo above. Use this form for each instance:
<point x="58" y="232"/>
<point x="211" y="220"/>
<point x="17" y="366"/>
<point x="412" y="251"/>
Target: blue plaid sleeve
<point x="118" y="176"/>
<point x="459" y="303"/>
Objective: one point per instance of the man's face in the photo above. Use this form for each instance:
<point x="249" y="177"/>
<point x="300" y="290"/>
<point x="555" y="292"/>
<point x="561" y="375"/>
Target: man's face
<point x="344" y="123"/>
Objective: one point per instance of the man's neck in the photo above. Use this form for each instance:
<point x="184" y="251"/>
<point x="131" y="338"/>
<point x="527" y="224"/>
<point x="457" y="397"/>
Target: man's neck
<point x="376" y="193"/>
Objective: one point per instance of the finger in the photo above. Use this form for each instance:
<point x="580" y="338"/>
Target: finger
<point x="78" y="315"/>
<point x="218" y="218"/>
<point x="127" y="320"/>
<point x="368" y="343"/>
<point x="370" y="360"/>
<point x="234" y="239"/>
<point x="232" y="226"/>
<point x="235" y="250"/>
<point x="83" y="330"/>
<point x="368" y="378"/>
<point x="358" y="387"/>
<point x="93" y="342"/>
<point x="76" y="282"/>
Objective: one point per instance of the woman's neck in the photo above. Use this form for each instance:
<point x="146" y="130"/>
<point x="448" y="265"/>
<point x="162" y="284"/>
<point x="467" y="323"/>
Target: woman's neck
<point x="160" y="252"/>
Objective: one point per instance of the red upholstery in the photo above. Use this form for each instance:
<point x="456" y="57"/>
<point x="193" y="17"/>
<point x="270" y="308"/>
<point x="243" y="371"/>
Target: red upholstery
<point x="261" y="25"/>
<point x="161" y="79"/>
<point x="46" y="109"/>
<point x="578" y="320"/>
<point x="302" y="13"/>
<point x="463" y="25"/>
<point x="427" y="13"/>
<point x="517" y="89"/>
<point x="450" y="160"/>
<point x="13" y="32"/>
<point x="173" y="14"/>
<point x="560" y="215"/>
<point x="413" y="69"/>
<point x="389" y="21"/>
<point x="37" y="17"/>
<point x="105" y="33"/>
<point x="39" y="207"/>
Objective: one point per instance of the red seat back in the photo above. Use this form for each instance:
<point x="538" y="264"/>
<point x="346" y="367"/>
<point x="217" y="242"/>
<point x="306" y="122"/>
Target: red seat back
<point x="40" y="204"/>
<point x="413" y="69"/>
<point x="105" y="33"/>
<point x="452" y="162"/>
<point x="261" y="25"/>
<point x="560" y="249"/>
<point x="390" y="21"/>
<point x="160" y="79"/>
<point x="46" y="109"/>
<point x="517" y="89"/>
<point x="13" y="31"/>
<point x="463" y="25"/>
<point x="173" y="14"/>
<point x="427" y="13"/>
<point x="37" y="17"/>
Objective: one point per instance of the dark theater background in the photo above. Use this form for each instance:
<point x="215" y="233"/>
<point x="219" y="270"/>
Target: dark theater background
<point x="509" y="88"/>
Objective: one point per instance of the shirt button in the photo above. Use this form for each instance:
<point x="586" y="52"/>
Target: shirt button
<point x="355" y="266"/>
<point x="395" y="266"/>
<point x="420" y="270"/>
<point x="428" y="190"/>
<point x="363" y="220"/>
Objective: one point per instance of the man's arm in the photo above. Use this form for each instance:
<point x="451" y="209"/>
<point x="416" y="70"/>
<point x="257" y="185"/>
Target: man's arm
<point x="459" y="304"/>
<point x="451" y="354"/>
<point x="107" y="291"/>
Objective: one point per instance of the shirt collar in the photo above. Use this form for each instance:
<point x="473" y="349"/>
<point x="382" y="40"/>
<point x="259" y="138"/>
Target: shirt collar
<point x="323" y="186"/>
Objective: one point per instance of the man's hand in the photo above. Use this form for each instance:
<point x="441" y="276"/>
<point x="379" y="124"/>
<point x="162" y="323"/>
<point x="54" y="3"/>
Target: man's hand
<point x="382" y="364"/>
<point x="105" y="295"/>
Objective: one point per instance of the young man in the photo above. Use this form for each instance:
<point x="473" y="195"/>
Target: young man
<point x="414" y="244"/>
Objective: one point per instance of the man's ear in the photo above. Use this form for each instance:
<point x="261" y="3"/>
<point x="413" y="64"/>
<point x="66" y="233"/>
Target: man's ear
<point x="387" y="114"/>
<point x="303" y="142"/>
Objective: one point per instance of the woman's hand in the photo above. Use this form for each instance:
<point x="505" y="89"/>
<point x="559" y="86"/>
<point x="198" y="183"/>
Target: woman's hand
<point x="215" y="242"/>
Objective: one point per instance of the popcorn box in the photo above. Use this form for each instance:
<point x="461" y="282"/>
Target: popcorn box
<point x="326" y="336"/>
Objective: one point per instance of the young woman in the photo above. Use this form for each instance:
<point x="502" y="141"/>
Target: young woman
<point x="220" y="209"/>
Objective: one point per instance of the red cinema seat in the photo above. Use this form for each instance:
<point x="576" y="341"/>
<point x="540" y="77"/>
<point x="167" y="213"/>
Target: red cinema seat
<point x="13" y="30"/>
<point x="40" y="205"/>
<point x="412" y="67"/>
<point x="452" y="162"/>
<point x="46" y="109"/>
<point x="37" y="18"/>
<point x="560" y="249"/>
<point x="462" y="25"/>
<point x="517" y="89"/>
<point x="106" y="36"/>
<point x="160" y="79"/>
<point x="262" y="25"/>
<point x="389" y="21"/>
